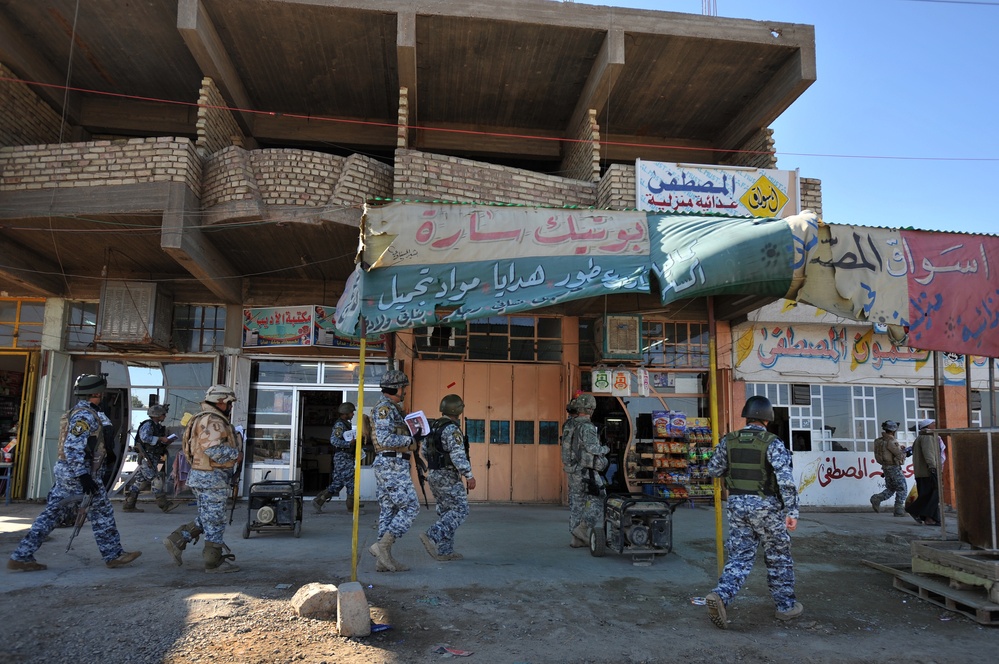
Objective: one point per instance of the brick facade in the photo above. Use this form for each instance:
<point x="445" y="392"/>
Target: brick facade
<point x="100" y="163"/>
<point x="581" y="156"/>
<point x="757" y="152"/>
<point x="217" y="128"/>
<point x="24" y="118"/>
<point x="293" y="177"/>
<point x="426" y="176"/>
<point x="811" y="195"/>
<point x="616" y="190"/>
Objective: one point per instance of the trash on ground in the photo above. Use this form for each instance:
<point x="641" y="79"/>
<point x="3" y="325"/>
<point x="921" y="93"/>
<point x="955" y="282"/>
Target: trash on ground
<point x="282" y="586"/>
<point x="379" y="627"/>
<point x="698" y="601"/>
<point x="441" y="650"/>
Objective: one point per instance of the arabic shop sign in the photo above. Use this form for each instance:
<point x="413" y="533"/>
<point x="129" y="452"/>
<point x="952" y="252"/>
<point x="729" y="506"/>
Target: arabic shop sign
<point x="692" y="188"/>
<point x="307" y="325"/>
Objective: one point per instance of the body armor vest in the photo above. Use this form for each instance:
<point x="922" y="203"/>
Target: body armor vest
<point x="159" y="430"/>
<point x="749" y="472"/>
<point x="95" y="443"/>
<point x="208" y="429"/>
<point x="434" y="448"/>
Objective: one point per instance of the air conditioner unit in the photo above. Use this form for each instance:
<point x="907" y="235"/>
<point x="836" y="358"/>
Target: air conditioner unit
<point x="134" y="314"/>
<point x="619" y="337"/>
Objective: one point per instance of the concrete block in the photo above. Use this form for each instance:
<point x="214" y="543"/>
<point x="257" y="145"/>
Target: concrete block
<point x="316" y="600"/>
<point x="352" y="615"/>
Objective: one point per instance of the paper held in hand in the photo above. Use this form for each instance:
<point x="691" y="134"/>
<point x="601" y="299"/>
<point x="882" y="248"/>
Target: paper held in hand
<point x="417" y="423"/>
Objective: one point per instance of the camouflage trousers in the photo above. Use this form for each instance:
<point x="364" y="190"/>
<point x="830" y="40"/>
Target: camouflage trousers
<point x="452" y="507"/>
<point x="143" y="479"/>
<point x="101" y="516"/>
<point x="397" y="501"/>
<point x="583" y="507"/>
<point x="894" y="484"/>
<point x="343" y="474"/>
<point x="752" y="521"/>
<point x="211" y="512"/>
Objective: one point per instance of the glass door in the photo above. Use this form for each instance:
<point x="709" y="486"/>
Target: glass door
<point x="269" y="441"/>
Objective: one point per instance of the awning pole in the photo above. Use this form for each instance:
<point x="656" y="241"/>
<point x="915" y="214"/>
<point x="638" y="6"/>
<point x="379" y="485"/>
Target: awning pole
<point x="358" y="453"/>
<point x="713" y="406"/>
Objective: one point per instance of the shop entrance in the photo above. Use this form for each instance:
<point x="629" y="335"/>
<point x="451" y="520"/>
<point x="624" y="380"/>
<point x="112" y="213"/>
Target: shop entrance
<point x="18" y="372"/>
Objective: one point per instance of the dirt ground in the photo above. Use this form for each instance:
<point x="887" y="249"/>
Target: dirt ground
<point x="521" y="595"/>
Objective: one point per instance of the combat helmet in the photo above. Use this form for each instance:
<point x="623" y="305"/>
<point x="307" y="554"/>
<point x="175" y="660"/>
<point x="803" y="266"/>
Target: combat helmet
<point x="889" y="425"/>
<point x="452" y="405"/>
<point x="393" y="379"/>
<point x="158" y="410"/>
<point x="586" y="403"/>
<point x="346" y="408"/>
<point x="758" y="408"/>
<point x="220" y="393"/>
<point x="87" y="384"/>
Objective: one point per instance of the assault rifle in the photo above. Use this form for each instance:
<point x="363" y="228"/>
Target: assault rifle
<point x="421" y="474"/>
<point x="237" y="471"/>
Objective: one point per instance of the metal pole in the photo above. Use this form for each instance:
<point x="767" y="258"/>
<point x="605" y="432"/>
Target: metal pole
<point x="358" y="453"/>
<point x="713" y="406"/>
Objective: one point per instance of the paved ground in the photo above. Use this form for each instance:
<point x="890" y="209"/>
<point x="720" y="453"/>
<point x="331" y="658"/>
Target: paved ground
<point x="520" y="595"/>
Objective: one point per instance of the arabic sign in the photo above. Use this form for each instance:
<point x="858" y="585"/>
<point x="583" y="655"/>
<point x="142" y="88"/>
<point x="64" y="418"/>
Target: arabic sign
<point x="839" y="478"/>
<point x="696" y="256"/>
<point x="701" y="189"/>
<point x="306" y="325"/>
<point x="940" y="287"/>
<point x="448" y="234"/>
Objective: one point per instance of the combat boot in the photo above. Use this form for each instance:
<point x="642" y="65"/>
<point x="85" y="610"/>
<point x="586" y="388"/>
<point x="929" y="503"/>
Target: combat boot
<point x="175" y="542"/>
<point x="899" y="511"/>
<point x="431" y="547"/>
<point x="25" y="565"/>
<point x="124" y="559"/>
<point x="580" y="536"/>
<point x="217" y="562"/>
<point x="382" y="551"/>
<point x="130" y="502"/>
<point x="165" y="503"/>
<point x="320" y="500"/>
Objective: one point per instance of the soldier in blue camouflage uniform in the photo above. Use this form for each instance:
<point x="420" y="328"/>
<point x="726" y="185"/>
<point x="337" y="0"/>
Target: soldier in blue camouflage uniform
<point x="584" y="459"/>
<point x="397" y="501"/>
<point x="150" y="442"/>
<point x="342" y="438"/>
<point x="446" y="450"/>
<point x="762" y="508"/>
<point x="75" y="475"/>
<point x="215" y="451"/>
<point x="891" y="455"/>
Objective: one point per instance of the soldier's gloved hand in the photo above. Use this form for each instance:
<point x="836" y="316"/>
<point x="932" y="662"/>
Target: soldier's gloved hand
<point x="110" y="458"/>
<point x="90" y="487"/>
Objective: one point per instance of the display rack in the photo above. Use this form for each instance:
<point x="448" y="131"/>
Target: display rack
<point x="674" y="464"/>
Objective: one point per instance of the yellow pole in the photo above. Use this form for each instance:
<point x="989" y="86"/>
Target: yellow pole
<point x="713" y="405"/>
<point x="357" y="455"/>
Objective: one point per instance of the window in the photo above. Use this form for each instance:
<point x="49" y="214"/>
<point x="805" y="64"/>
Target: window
<point x="499" y="338"/>
<point x="81" y="328"/>
<point x="198" y="328"/>
<point x="21" y="323"/>
<point x="678" y="345"/>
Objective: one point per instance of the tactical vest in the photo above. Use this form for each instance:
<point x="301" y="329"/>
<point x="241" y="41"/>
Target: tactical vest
<point x="194" y="450"/>
<point x="567" y="452"/>
<point x="749" y="472"/>
<point x="157" y="448"/>
<point x="433" y="446"/>
<point x="95" y="443"/>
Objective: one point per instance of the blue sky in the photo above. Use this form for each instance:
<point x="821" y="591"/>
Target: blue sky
<point x="901" y="123"/>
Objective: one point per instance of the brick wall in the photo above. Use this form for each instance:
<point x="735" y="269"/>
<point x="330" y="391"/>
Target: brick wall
<point x="217" y="128"/>
<point x="581" y="157"/>
<point x="757" y="152"/>
<point x="811" y="195"/>
<point x="616" y="190"/>
<point x="97" y="163"/>
<point x="426" y="176"/>
<point x="293" y="177"/>
<point x="24" y="118"/>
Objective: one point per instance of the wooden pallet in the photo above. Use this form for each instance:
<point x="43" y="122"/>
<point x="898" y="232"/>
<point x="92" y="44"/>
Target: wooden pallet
<point x="973" y="603"/>
<point x="964" y="565"/>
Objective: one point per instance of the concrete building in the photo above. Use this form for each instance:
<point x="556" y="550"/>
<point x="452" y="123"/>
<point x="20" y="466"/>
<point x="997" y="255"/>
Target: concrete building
<point x="182" y="183"/>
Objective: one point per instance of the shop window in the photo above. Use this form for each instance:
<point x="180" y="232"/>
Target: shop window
<point x="21" y="323"/>
<point x="498" y="338"/>
<point x="548" y="433"/>
<point x="475" y="430"/>
<point x="285" y="371"/>
<point x="523" y="432"/>
<point x="198" y="328"/>
<point x="679" y="345"/>
<point x="499" y="432"/>
<point x="81" y="327"/>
